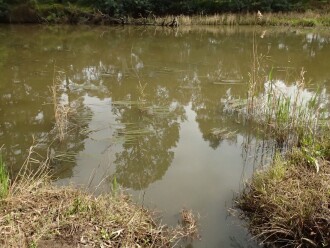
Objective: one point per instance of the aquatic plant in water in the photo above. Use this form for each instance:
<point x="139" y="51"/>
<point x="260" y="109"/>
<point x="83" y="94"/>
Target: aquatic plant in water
<point x="289" y="113"/>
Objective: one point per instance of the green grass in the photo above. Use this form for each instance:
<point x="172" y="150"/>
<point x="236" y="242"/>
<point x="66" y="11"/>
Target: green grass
<point x="4" y="179"/>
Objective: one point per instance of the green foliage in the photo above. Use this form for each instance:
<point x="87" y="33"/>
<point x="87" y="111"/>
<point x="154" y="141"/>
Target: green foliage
<point x="114" y="186"/>
<point x="275" y="174"/>
<point x="78" y="206"/>
<point x="32" y="245"/>
<point x="3" y="10"/>
<point x="4" y="179"/>
<point x="305" y="23"/>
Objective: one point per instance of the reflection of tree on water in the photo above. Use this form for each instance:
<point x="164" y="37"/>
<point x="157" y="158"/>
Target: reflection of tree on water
<point x="147" y="158"/>
<point x="147" y="153"/>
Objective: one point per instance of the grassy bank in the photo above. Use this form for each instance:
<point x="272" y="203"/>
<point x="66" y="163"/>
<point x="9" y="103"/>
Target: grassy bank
<point x="77" y="14"/>
<point x="35" y="213"/>
<point x="288" y="203"/>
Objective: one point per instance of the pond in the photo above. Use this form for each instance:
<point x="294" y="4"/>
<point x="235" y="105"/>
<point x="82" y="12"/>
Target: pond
<point x="147" y="102"/>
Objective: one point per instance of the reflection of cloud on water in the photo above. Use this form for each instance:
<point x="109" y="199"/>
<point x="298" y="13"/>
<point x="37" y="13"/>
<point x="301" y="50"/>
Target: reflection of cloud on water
<point x="89" y="73"/>
<point x="311" y="37"/>
<point x="296" y="94"/>
<point x="137" y="63"/>
<point x="277" y="92"/>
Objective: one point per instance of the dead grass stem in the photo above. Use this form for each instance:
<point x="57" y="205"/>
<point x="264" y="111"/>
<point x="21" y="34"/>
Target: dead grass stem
<point x="62" y="111"/>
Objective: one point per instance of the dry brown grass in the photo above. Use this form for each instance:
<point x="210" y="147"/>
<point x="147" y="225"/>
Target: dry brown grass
<point x="189" y="223"/>
<point x="43" y="215"/>
<point x="71" y="117"/>
<point x="288" y="204"/>
<point x="309" y="19"/>
<point x="62" y="112"/>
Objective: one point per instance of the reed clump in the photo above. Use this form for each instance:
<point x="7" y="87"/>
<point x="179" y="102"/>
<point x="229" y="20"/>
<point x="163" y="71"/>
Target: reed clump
<point x="35" y="213"/>
<point x="68" y="115"/>
<point x="62" y="112"/>
<point x="189" y="223"/>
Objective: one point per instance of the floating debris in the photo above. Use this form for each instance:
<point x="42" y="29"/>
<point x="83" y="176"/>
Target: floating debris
<point x="222" y="133"/>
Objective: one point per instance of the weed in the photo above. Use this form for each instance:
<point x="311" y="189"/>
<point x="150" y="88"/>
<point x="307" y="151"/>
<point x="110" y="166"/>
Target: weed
<point x="32" y="245"/>
<point x="77" y="206"/>
<point x="4" y="179"/>
<point x="114" y="186"/>
<point x="307" y="19"/>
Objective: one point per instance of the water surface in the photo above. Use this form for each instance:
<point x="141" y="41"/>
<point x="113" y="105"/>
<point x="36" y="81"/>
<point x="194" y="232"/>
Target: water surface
<point x="147" y="100"/>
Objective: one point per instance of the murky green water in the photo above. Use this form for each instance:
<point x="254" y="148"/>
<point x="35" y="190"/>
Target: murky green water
<point x="147" y="100"/>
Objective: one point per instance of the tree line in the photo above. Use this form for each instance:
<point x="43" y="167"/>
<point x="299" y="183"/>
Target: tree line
<point x="138" y="8"/>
